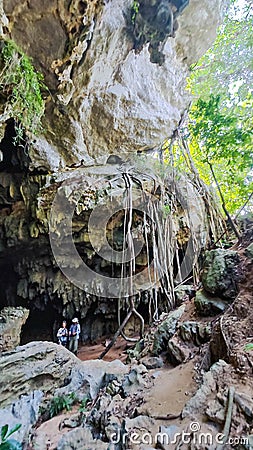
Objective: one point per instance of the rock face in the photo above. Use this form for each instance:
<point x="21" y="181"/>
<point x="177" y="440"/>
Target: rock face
<point x="38" y="365"/>
<point x="220" y="273"/>
<point x="107" y="97"/>
<point x="11" y="322"/>
<point x="24" y="411"/>
<point x="53" y="369"/>
<point x="57" y="372"/>
<point x="30" y="272"/>
<point x="39" y="369"/>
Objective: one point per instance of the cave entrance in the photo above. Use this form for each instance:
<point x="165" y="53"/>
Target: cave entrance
<point x="14" y="155"/>
<point x="41" y="325"/>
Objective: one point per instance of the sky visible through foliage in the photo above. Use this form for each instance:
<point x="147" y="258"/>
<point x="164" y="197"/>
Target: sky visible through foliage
<point x="220" y="119"/>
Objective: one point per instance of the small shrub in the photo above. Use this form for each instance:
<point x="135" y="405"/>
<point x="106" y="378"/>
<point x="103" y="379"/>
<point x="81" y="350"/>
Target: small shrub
<point x="166" y="211"/>
<point x="134" y="10"/>
<point x="21" y="86"/>
<point x="60" y="403"/>
<point x="83" y="405"/>
<point x="6" y="443"/>
<point x="248" y="347"/>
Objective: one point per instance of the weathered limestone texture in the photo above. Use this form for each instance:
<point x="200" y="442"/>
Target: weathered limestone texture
<point x="106" y="97"/>
<point x="37" y="365"/>
<point x="11" y="321"/>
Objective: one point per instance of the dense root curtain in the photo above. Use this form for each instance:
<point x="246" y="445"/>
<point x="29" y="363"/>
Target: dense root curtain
<point x="177" y="218"/>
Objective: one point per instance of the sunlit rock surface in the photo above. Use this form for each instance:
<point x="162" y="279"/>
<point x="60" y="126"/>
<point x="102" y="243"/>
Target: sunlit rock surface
<point x="104" y="96"/>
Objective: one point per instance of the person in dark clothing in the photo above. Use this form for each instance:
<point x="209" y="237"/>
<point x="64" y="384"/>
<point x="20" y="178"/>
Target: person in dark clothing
<point x="74" y="333"/>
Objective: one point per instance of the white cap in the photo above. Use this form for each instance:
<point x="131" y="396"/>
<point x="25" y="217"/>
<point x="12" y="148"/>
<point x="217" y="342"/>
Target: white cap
<point x="75" y="320"/>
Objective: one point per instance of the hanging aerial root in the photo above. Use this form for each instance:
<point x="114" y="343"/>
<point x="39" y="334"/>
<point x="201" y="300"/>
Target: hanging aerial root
<point x="127" y="338"/>
<point x="121" y="328"/>
<point x="226" y="429"/>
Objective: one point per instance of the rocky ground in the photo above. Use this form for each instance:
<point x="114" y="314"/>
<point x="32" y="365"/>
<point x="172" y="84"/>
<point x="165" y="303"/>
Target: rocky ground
<point x="187" y="385"/>
<point x="104" y="97"/>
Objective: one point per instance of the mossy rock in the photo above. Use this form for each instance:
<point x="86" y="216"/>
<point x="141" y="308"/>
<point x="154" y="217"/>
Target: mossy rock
<point x="206" y="305"/>
<point x="249" y="251"/>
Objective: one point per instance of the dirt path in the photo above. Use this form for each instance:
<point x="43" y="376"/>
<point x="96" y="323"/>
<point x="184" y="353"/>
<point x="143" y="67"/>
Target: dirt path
<point x="92" y="351"/>
<point x="172" y="389"/>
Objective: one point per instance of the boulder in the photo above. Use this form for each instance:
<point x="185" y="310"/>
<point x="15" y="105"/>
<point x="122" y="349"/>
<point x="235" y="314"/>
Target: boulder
<point x="134" y="379"/>
<point x="24" y="411"/>
<point x="196" y="332"/>
<point x="80" y="439"/>
<point x="200" y="401"/>
<point x="107" y="98"/>
<point x="138" y="432"/>
<point x="11" y="322"/>
<point x="220" y="273"/>
<point x="166" y="330"/>
<point x="177" y="351"/>
<point x="206" y="305"/>
<point x="152" y="362"/>
<point x="182" y="293"/>
<point x="90" y="376"/>
<point x="216" y="412"/>
<point x="249" y="251"/>
<point x="37" y="365"/>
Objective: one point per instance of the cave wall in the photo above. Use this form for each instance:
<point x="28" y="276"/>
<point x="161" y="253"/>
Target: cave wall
<point x="106" y="96"/>
<point x="50" y="280"/>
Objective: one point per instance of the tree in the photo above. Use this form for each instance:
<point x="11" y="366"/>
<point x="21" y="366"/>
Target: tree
<point x="221" y="146"/>
<point x="220" y="119"/>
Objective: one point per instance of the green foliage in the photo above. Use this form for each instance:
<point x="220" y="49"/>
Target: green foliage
<point x="221" y="139"/>
<point x="63" y="402"/>
<point x="134" y="10"/>
<point x="221" y="125"/>
<point x="21" y="87"/>
<point x="6" y="443"/>
<point x="248" y="347"/>
<point x="166" y="211"/>
<point x="83" y="405"/>
<point x="226" y="68"/>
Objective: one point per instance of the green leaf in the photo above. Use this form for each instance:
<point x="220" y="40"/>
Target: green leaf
<point x="248" y="347"/>
<point x="11" y="444"/>
<point x="221" y="124"/>
<point x="23" y="87"/>
<point x="13" y="430"/>
<point x="4" y="431"/>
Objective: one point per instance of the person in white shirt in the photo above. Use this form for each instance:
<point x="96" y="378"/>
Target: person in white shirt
<point x="62" y="334"/>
